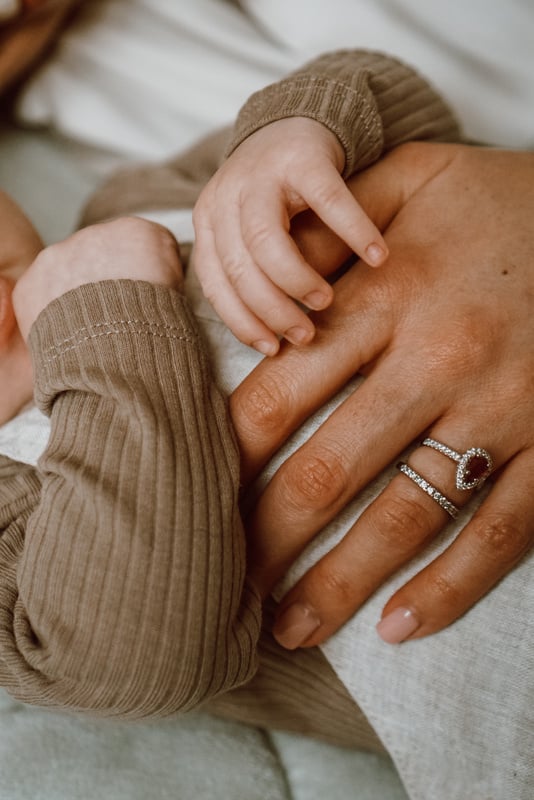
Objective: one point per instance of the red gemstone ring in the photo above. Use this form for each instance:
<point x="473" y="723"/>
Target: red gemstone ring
<point x="474" y="465"/>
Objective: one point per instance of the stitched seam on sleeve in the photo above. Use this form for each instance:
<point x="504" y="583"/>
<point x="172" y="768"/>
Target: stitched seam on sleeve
<point x="140" y="327"/>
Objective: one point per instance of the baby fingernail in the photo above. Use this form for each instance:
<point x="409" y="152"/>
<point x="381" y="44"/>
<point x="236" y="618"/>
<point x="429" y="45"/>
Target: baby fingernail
<point x="267" y="348"/>
<point x="397" y="626"/>
<point x="295" y="625"/>
<point x="375" y="254"/>
<point x="316" y="300"/>
<point x="298" y="335"/>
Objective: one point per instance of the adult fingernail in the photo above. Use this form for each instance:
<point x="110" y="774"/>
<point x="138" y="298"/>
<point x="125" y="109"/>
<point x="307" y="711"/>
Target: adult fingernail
<point x="375" y="254"/>
<point x="267" y="348"/>
<point x="295" y="625"/>
<point x="397" y="626"/>
<point x="316" y="300"/>
<point x="298" y="335"/>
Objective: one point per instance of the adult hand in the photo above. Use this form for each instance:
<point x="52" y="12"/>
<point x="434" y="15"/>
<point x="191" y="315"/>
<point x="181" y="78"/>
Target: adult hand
<point x="125" y="248"/>
<point x="445" y="336"/>
<point x="247" y="262"/>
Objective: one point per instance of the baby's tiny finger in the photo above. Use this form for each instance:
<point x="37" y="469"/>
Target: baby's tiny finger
<point x="272" y="249"/>
<point x="258" y="292"/>
<point x="227" y="304"/>
<point x="333" y="202"/>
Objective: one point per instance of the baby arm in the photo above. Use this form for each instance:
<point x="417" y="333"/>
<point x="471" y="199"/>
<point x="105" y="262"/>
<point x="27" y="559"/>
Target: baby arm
<point x="122" y="558"/>
<point x="295" y="143"/>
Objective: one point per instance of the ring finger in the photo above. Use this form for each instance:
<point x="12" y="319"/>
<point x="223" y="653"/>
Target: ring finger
<point x="394" y="528"/>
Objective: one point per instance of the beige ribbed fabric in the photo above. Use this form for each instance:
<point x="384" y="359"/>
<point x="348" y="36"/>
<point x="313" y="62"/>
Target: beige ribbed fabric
<point x="371" y="101"/>
<point x="122" y="561"/>
<point x="122" y="558"/>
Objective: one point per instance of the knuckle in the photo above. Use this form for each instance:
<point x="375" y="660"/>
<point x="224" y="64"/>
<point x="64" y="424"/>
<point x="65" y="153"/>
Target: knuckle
<point x="335" y="583"/>
<point x="124" y="233"/>
<point x="49" y="255"/>
<point x="466" y="348"/>
<point x="126" y="226"/>
<point x="316" y="481"/>
<point x="209" y="290"/>
<point x="327" y="195"/>
<point x="141" y="232"/>
<point x="444" y="590"/>
<point x="264" y="405"/>
<point x="234" y="268"/>
<point x="256" y="236"/>
<point x="500" y="537"/>
<point x="403" y="522"/>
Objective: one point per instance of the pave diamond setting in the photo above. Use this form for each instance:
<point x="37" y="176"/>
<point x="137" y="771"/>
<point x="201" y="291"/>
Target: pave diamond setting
<point x="474" y="466"/>
<point x="431" y="490"/>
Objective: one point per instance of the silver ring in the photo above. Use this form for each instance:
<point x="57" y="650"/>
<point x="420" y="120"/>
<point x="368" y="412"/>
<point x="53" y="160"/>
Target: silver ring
<point x="474" y="465"/>
<point x="427" y="487"/>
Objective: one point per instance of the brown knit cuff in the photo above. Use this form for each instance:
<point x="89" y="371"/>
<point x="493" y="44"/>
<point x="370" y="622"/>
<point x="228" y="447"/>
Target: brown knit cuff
<point x="341" y="108"/>
<point x="100" y="324"/>
<point x="370" y="101"/>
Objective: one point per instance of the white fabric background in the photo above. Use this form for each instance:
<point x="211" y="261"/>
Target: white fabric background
<point x="146" y="77"/>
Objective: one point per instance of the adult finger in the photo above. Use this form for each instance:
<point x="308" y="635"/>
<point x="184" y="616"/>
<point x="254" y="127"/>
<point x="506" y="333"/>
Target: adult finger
<point x="494" y="541"/>
<point x="364" y="434"/>
<point x="394" y="528"/>
<point x="397" y="525"/>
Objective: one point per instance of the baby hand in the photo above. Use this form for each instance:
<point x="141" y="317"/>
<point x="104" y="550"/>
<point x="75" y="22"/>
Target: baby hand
<point x="248" y="265"/>
<point x="126" y="248"/>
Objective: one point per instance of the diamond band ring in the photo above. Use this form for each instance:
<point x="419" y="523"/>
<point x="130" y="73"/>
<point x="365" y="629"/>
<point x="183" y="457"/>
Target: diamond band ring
<point x="427" y="487"/>
<point x="474" y="465"/>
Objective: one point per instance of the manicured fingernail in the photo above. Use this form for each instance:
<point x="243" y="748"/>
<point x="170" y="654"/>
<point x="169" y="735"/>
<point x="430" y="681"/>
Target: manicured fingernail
<point x="397" y="626"/>
<point x="298" y="335"/>
<point x="295" y="625"/>
<point x="316" y="300"/>
<point x="374" y="255"/>
<point x="267" y="348"/>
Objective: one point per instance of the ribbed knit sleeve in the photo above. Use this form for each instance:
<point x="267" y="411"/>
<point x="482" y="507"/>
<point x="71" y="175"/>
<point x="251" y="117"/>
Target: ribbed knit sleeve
<point x="372" y="102"/>
<point x="122" y="560"/>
